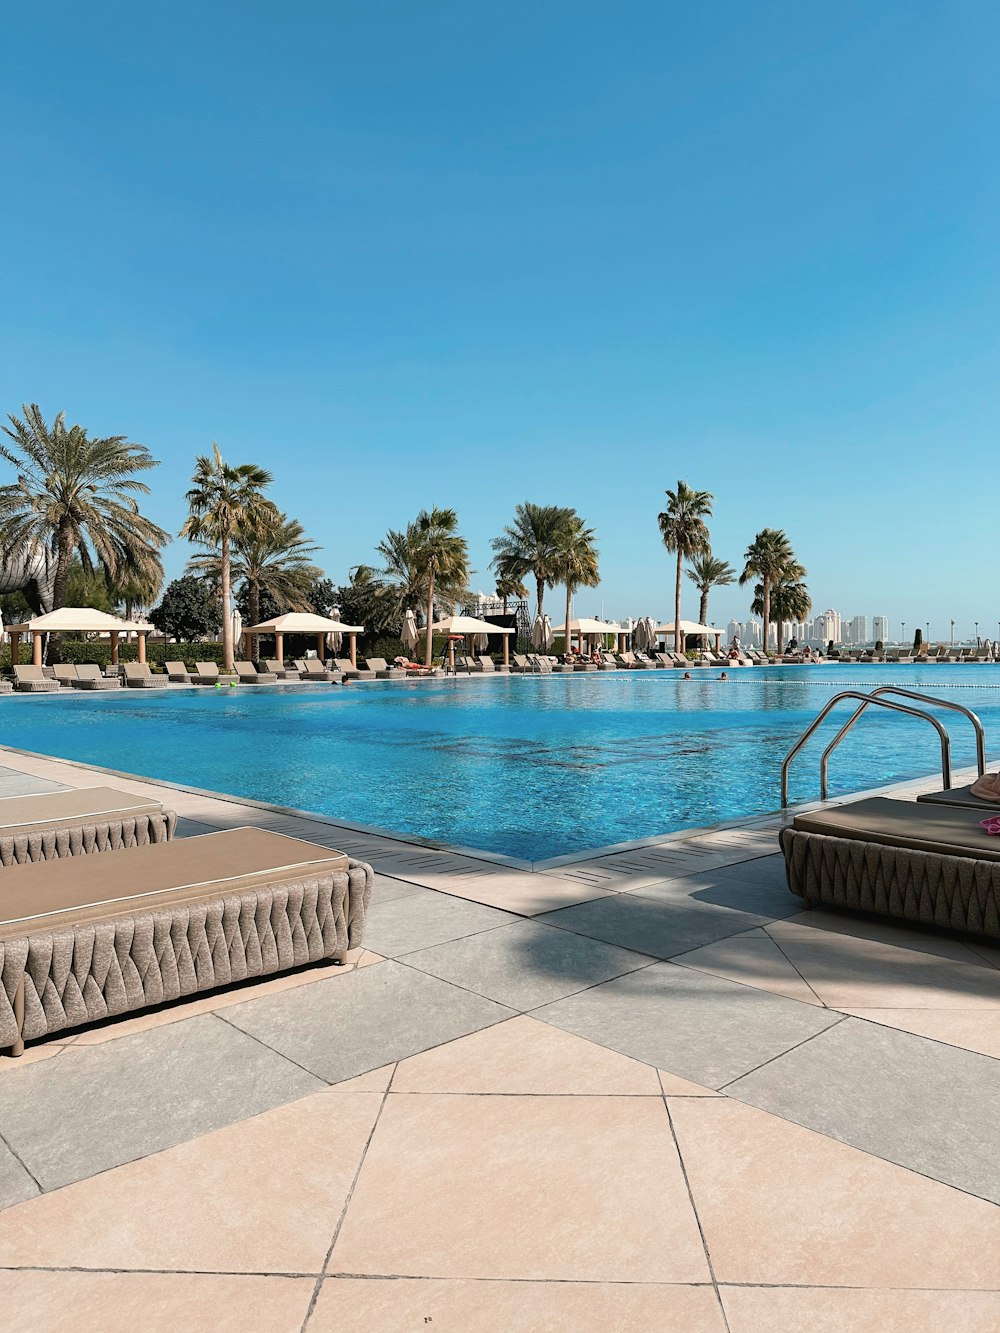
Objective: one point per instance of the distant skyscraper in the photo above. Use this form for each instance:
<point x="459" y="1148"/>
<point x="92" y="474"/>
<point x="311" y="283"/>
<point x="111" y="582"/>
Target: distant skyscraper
<point x="858" y="630"/>
<point x="880" y="628"/>
<point x="735" y="630"/>
<point x="828" y="626"/>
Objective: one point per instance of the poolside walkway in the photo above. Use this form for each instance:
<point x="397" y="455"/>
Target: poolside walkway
<point x="643" y="1090"/>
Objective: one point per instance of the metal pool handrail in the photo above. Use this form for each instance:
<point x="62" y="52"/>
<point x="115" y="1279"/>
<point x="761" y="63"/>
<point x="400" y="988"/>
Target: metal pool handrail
<point x="824" y="762"/>
<point x="880" y="703"/>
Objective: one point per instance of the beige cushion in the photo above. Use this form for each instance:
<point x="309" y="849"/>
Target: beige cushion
<point x="941" y="829"/>
<point x="47" y="895"/>
<point x="65" y="809"/>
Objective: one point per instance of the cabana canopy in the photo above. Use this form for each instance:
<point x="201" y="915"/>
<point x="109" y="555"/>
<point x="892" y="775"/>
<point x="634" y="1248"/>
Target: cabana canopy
<point x="306" y="622"/>
<point x="76" y="620"/>
<point x="589" y="628"/>
<point x="689" y="627"/>
<point x="302" y="622"/>
<point x="467" y="625"/>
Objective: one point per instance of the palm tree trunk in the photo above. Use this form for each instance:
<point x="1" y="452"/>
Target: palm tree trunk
<point x="767" y="613"/>
<point x="429" y="651"/>
<point x="540" y="591"/>
<point x="703" y="608"/>
<point x="253" y="608"/>
<point x="780" y="627"/>
<point x="678" y="636"/>
<point x="227" y="620"/>
<point x="64" y="557"/>
<point x="569" y="598"/>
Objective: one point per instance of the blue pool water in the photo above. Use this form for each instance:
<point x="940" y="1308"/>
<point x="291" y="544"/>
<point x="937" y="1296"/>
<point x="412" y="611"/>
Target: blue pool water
<point x="531" y="767"/>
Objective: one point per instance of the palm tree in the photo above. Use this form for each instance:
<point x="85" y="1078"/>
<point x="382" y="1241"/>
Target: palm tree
<point x="441" y="558"/>
<point x="76" y="496"/>
<point x="528" y="546"/>
<point x="790" y="599"/>
<point x="767" y="555"/>
<point x="684" y="530"/>
<point x="398" y="584"/>
<point x="708" y="572"/>
<point x="273" y="561"/>
<point x="509" y="585"/>
<point x="576" y="561"/>
<point x="227" y="505"/>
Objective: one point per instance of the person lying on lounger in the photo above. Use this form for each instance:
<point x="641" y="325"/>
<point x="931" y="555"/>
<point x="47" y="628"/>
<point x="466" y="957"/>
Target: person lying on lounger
<point x="413" y="666"/>
<point x="987" y="788"/>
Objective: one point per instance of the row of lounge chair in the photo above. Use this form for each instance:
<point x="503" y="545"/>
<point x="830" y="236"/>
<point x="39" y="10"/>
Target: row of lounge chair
<point x="103" y="913"/>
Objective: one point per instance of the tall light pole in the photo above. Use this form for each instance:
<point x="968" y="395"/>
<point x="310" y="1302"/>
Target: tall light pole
<point x="902" y="631"/>
<point x="976" y="623"/>
<point x="952" y="641"/>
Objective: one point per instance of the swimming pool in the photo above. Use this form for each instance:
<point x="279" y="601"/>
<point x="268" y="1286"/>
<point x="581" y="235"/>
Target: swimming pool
<point x="532" y="767"/>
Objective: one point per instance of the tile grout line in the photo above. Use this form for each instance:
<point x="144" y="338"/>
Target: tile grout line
<point x="781" y="1054"/>
<point x="347" y="1203"/>
<point x="694" y="1206"/>
<point x="791" y="964"/>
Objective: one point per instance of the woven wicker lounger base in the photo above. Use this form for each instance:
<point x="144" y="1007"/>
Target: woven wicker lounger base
<point x="940" y="883"/>
<point x="282" y="904"/>
<point x="78" y="823"/>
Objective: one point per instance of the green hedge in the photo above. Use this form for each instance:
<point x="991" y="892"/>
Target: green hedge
<point x="99" y="651"/>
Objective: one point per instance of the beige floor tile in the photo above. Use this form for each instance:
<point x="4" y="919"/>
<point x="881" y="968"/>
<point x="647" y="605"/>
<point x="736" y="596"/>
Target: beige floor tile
<point x="848" y="972"/>
<point x="571" y="1188"/>
<point x="264" y="1195"/>
<point x="406" y="1304"/>
<point x="972" y="1029"/>
<point x="783" y="1205"/>
<point x="808" y="1310"/>
<point x="514" y="890"/>
<point x="882" y="931"/>
<point x="525" y="1056"/>
<point x="675" y="1086"/>
<point x="376" y="1080"/>
<point x="155" y="1302"/>
<point x="753" y="959"/>
<point x="215" y="1001"/>
<point x="44" y="1050"/>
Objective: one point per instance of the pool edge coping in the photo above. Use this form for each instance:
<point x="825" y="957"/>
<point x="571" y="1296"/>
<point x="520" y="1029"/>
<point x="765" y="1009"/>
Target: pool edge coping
<point x="771" y="819"/>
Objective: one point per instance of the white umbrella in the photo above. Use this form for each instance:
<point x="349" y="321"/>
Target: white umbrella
<point x="237" y="627"/>
<point x="334" y="638"/>
<point x="541" y="634"/>
<point x="410" y="634"/>
<point x="480" y="642"/>
<point x="640" y="634"/>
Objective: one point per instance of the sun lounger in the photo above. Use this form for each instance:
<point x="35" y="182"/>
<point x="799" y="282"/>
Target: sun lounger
<point x="208" y="673"/>
<point x="311" y="668"/>
<point x="65" y="674"/>
<point x="32" y="680"/>
<point x="249" y="675"/>
<point x="89" y="676"/>
<point x="278" y="669"/>
<point x="920" y="862"/>
<point x="178" y="673"/>
<point x="139" y="677"/>
<point x="55" y="824"/>
<point x="482" y="663"/>
<point x="94" y="937"/>
<point x="384" y="671"/>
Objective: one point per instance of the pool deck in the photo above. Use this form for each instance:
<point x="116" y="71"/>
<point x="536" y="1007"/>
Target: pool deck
<point x="638" y="1089"/>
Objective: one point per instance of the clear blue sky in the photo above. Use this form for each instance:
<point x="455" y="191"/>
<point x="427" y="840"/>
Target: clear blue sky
<point x="477" y="253"/>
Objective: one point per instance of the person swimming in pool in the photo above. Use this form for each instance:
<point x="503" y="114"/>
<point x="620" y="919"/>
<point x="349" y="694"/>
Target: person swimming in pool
<point x="686" y="676"/>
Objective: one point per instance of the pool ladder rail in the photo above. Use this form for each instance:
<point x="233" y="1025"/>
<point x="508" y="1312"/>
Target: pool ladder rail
<point x="876" y="698"/>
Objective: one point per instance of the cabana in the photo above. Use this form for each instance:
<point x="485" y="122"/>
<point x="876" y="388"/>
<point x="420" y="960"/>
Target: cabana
<point x="460" y="627"/>
<point x="589" y="629"/>
<point x="75" y="620"/>
<point x="690" y="629"/>
<point x="305" y="622"/>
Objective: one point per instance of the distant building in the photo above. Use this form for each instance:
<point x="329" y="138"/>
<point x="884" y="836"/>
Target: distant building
<point x="735" y="631"/>
<point x="857" y="630"/>
<point x="827" y="627"/>
<point x="880" y="628"/>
